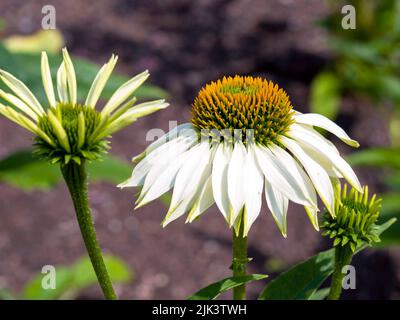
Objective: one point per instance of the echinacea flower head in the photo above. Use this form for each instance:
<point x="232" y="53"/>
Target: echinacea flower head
<point x="65" y="129"/>
<point x="355" y="220"/>
<point x="244" y="137"/>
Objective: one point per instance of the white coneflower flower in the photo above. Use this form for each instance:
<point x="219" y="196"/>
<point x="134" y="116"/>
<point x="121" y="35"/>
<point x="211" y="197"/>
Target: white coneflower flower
<point x="244" y="136"/>
<point x="66" y="130"/>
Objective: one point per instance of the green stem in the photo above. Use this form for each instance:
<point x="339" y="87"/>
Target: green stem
<point x="239" y="261"/>
<point x="76" y="178"/>
<point x="343" y="256"/>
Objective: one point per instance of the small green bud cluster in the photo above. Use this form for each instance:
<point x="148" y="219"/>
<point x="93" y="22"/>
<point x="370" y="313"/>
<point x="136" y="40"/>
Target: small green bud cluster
<point x="355" y="221"/>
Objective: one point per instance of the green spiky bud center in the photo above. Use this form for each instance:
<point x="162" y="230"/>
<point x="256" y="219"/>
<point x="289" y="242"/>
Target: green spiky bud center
<point x="355" y="221"/>
<point x="72" y="130"/>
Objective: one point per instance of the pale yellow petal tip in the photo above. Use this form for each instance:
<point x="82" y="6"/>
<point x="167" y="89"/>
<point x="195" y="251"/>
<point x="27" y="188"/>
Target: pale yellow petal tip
<point x="282" y="229"/>
<point x="164" y="105"/>
<point x="114" y="59"/>
<point x="315" y="224"/>
<point x="353" y="143"/>
<point x="145" y="74"/>
<point x="140" y="203"/>
<point x="164" y="223"/>
<point x="137" y="158"/>
<point x="189" y="219"/>
<point x="122" y="185"/>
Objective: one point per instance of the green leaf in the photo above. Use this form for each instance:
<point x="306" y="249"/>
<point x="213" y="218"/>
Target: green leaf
<point x="214" y="290"/>
<point x="84" y="275"/>
<point x="33" y="290"/>
<point x="380" y="157"/>
<point x="393" y="181"/>
<point x="325" y="95"/>
<point x="6" y="294"/>
<point x="320" y="294"/>
<point x="302" y="281"/>
<point x="20" y="169"/>
<point x="70" y="280"/>
<point x="356" y="50"/>
<point x="110" y="169"/>
<point x="390" y="204"/>
<point x="388" y="87"/>
<point x="390" y="210"/>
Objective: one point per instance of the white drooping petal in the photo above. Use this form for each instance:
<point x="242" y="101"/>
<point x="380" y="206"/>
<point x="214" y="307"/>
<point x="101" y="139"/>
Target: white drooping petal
<point x="253" y="185"/>
<point x="204" y="200"/>
<point x="62" y="87"/>
<point x="71" y="77"/>
<point x="279" y="176"/>
<point x="19" y="104"/>
<point x="323" y="161"/>
<point x="21" y="91"/>
<point x="323" y="152"/>
<point x="178" y="211"/>
<point x="278" y="205"/>
<point x="100" y="82"/>
<point x="315" y="133"/>
<point x="183" y="130"/>
<point x="220" y="179"/>
<point x="298" y="174"/>
<point x="316" y="172"/>
<point x="236" y="176"/>
<point x="161" y="177"/>
<point x="174" y="148"/>
<point x="318" y="120"/>
<point x="47" y="81"/>
<point x="189" y="181"/>
<point x="124" y="92"/>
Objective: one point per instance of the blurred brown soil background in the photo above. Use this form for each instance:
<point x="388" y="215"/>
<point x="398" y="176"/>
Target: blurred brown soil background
<point x="184" y="44"/>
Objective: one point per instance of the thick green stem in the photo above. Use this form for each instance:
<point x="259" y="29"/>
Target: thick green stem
<point x="76" y="178"/>
<point x="343" y="256"/>
<point x="239" y="261"/>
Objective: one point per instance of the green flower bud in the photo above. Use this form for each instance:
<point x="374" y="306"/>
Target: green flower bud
<point x="355" y="221"/>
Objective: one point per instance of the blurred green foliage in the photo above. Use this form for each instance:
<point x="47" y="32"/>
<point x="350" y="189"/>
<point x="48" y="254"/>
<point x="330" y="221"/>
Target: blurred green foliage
<point x="366" y="58"/>
<point x="70" y="280"/>
<point x="22" y="170"/>
<point x="367" y="64"/>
